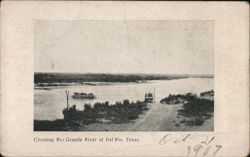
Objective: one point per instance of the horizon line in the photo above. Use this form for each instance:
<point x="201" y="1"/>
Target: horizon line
<point x="121" y="73"/>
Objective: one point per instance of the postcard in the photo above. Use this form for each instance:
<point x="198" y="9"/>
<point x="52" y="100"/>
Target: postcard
<point x="124" y="78"/>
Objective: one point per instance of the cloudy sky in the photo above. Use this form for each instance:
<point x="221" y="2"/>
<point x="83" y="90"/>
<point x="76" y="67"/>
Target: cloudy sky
<point x="85" y="46"/>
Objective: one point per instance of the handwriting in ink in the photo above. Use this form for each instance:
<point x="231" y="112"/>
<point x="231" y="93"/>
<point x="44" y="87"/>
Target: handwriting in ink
<point x="202" y="139"/>
<point x="199" y="148"/>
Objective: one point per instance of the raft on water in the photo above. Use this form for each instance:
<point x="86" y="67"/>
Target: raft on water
<point x="83" y="95"/>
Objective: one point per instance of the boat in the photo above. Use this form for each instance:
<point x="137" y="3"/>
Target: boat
<point x="83" y="95"/>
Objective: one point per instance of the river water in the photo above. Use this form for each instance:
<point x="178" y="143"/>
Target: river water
<point x="50" y="103"/>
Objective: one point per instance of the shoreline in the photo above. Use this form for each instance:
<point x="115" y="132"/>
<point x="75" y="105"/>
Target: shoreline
<point x="146" y="122"/>
<point x="174" y="113"/>
<point x="55" y="79"/>
<point x="49" y="86"/>
<point x="53" y="85"/>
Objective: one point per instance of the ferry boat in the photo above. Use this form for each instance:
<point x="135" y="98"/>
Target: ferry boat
<point x="83" y="95"/>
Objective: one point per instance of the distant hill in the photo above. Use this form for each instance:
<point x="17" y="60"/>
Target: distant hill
<point x="92" y="77"/>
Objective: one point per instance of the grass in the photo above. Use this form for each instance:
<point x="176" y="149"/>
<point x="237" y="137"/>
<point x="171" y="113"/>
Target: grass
<point x="197" y="107"/>
<point x="179" y="98"/>
<point x="197" y="110"/>
<point x="120" y="112"/>
<point x="45" y="125"/>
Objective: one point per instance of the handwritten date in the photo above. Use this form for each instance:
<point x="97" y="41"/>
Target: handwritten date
<point x="203" y="139"/>
<point x="202" y="144"/>
<point x="200" y="148"/>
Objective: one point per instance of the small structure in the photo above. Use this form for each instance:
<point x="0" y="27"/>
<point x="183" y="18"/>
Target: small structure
<point x="149" y="97"/>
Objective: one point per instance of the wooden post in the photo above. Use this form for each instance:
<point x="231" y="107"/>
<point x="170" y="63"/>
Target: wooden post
<point x="67" y="94"/>
<point x="154" y="94"/>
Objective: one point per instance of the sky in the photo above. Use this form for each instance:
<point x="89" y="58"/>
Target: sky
<point x="132" y="46"/>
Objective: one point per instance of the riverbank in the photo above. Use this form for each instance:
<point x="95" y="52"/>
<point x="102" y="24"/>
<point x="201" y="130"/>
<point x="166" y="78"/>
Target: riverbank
<point x="54" y="78"/>
<point x="49" y="86"/>
<point x="100" y="113"/>
<point x="159" y="117"/>
<point x="181" y="112"/>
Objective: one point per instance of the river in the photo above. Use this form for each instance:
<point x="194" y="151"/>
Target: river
<point x="48" y="104"/>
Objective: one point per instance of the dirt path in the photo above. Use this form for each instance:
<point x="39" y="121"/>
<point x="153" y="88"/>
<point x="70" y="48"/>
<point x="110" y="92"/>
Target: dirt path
<point x="160" y="117"/>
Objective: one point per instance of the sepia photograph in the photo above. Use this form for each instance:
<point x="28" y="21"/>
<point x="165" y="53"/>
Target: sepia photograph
<point x="116" y="75"/>
<point x="124" y="78"/>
